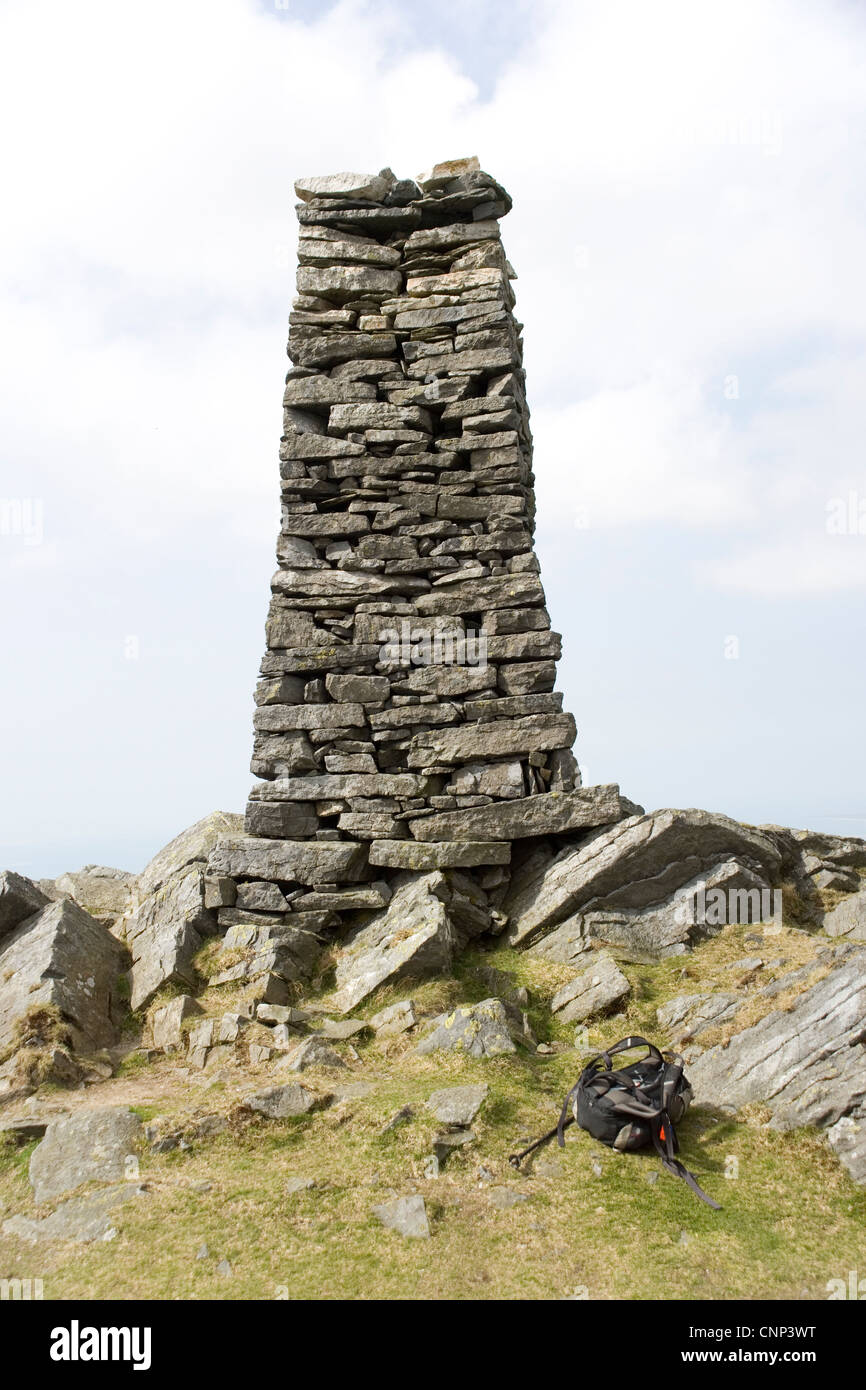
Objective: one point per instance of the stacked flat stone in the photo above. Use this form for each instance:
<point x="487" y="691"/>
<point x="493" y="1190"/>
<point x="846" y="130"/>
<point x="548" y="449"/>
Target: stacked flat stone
<point x="407" y="525"/>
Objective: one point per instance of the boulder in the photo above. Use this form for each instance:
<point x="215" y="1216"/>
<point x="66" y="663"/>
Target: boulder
<point x="24" y="1128"/>
<point x="341" y="1029"/>
<point x="284" y="1102"/>
<point x="847" y="1139"/>
<point x="61" y="957"/>
<point x="397" y="1018"/>
<point x="270" y="947"/>
<point x="90" y="1145"/>
<point x="312" y="1052"/>
<point x="834" y="880"/>
<point x="845" y="851"/>
<point x="634" y="868"/>
<point x="565" y="944"/>
<point x="232" y="1025"/>
<point x="807" y="1064"/>
<point x="192" y="846"/>
<point x="700" y="908"/>
<point x="282" y="1013"/>
<point x="414" y="936"/>
<point x="593" y="991"/>
<point x="488" y="1029"/>
<point x="165" y="931"/>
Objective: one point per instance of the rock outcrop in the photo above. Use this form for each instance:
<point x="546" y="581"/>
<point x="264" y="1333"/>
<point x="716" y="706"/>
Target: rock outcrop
<point x="171" y="914"/>
<point x="107" y="894"/>
<point x="848" y="918"/>
<point x="636" y="883"/>
<point x="805" y="1063"/>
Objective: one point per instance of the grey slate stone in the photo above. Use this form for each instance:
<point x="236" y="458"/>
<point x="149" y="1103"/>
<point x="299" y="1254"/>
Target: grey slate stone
<point x="19" y="899"/>
<point x="548" y="814"/>
<point x="634" y="865"/>
<point x="487" y="1029"/>
<point x="192" y="846"/>
<point x="165" y="931"/>
<point x="367" y="187"/>
<point x="312" y="1052"/>
<point x="165" y="1025"/>
<point x="61" y="956"/>
<point x="395" y="1019"/>
<point x="105" y="893"/>
<point x="565" y="944"/>
<point x="301" y="861"/>
<point x="457" y="1105"/>
<point x="427" y="857"/>
<point x="674" y="925"/>
<point x="89" y="1145"/>
<point x="285" y="1102"/>
<point x="593" y="991"/>
<point x="405" y="1215"/>
<point x="413" y="936"/>
<point x="496" y="739"/>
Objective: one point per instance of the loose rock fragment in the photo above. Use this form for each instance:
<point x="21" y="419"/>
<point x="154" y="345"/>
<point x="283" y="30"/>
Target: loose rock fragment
<point x="457" y="1105"/>
<point x="406" y="1215"/>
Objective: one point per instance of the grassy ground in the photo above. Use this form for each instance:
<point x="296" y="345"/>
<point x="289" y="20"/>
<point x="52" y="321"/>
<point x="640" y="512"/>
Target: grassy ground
<point x="594" y="1224"/>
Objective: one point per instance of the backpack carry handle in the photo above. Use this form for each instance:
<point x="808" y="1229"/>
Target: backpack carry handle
<point x="626" y="1045"/>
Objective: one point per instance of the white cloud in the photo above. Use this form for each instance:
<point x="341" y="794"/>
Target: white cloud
<point x="796" y="569"/>
<point x="647" y="453"/>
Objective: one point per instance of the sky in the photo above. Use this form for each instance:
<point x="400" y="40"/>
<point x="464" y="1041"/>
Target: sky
<point x="689" y="232"/>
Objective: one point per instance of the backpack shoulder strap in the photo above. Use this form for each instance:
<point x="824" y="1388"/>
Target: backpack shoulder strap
<point x="664" y="1140"/>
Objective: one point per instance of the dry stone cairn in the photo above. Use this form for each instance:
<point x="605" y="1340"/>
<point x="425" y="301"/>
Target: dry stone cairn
<point x="407" y="718"/>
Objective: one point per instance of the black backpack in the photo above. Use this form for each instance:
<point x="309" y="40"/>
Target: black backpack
<point x="630" y="1108"/>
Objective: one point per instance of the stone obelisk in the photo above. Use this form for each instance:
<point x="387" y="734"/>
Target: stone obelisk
<point x="407" y="717"/>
